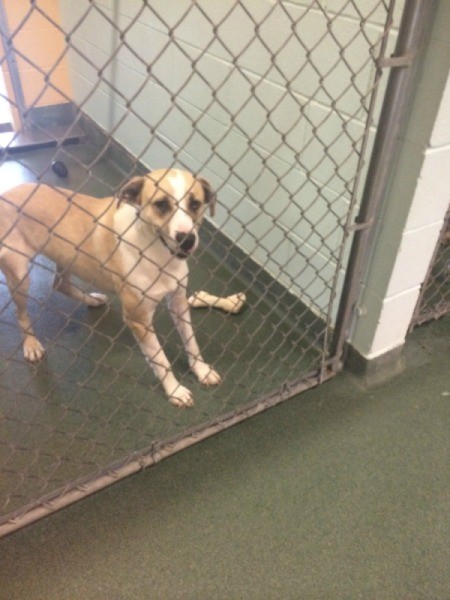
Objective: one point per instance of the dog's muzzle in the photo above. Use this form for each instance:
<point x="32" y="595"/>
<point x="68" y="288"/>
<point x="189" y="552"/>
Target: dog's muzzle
<point x="185" y="244"/>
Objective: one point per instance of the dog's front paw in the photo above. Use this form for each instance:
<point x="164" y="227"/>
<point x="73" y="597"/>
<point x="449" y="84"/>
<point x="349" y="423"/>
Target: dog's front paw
<point x="206" y="374"/>
<point x="33" y="350"/>
<point x="181" y="397"/>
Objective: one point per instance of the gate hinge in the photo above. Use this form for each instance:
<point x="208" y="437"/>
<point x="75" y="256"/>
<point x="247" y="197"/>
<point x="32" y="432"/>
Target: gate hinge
<point x="396" y="61"/>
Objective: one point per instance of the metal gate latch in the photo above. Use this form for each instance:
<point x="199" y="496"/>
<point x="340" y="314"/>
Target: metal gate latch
<point x="396" y="61"/>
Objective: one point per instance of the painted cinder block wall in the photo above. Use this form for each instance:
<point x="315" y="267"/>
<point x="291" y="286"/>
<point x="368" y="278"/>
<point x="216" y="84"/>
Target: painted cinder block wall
<point x="415" y="206"/>
<point x="282" y="198"/>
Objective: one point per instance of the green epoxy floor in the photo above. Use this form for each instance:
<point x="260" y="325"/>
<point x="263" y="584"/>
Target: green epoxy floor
<point x="340" y="493"/>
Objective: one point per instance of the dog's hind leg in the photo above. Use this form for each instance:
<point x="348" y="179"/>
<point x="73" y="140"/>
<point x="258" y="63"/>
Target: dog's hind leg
<point x="15" y="267"/>
<point x="62" y="283"/>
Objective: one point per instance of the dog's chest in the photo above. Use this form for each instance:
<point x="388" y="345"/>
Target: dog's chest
<point x="145" y="263"/>
<point x="152" y="274"/>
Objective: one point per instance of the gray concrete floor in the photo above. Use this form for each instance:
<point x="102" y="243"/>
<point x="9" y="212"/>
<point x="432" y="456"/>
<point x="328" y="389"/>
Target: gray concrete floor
<point x="342" y="492"/>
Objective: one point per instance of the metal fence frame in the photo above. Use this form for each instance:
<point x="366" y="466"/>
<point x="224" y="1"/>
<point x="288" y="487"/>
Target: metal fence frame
<point x="413" y="33"/>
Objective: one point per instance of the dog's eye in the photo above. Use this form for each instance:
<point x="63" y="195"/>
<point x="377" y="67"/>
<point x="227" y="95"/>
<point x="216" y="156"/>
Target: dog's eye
<point x="194" y="205"/>
<point x="162" y="206"/>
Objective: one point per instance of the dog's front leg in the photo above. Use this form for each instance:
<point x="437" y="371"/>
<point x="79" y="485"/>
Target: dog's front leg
<point x="180" y="311"/>
<point x="140" y="323"/>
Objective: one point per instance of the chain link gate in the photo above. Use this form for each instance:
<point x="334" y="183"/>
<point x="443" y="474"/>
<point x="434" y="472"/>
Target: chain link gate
<point x="274" y="104"/>
<point x="434" y="298"/>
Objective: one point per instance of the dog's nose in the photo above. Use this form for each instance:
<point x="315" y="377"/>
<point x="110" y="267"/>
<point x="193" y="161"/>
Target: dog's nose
<point x="186" y="241"/>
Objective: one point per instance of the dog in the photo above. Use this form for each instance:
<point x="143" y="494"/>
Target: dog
<point x="135" y="244"/>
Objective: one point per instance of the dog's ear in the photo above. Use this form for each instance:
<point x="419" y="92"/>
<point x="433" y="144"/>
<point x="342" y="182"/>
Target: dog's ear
<point x="131" y="191"/>
<point x="210" y="195"/>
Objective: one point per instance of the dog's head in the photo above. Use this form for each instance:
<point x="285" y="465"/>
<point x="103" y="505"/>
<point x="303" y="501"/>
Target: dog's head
<point x="173" y="203"/>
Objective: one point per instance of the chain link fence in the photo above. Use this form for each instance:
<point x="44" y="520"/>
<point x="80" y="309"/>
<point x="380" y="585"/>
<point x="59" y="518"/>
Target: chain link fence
<point x="434" y="298"/>
<point x="273" y="103"/>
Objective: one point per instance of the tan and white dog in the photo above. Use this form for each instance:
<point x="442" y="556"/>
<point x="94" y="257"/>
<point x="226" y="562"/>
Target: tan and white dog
<point x="135" y="244"/>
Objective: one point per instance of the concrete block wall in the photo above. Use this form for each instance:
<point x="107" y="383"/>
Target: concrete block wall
<point x="205" y="93"/>
<point x="415" y="207"/>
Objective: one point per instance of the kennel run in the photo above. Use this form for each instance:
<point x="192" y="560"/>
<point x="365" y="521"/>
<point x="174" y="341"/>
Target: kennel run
<point x="293" y="112"/>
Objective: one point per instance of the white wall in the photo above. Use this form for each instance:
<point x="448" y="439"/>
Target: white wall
<point x="415" y="209"/>
<point x="195" y="86"/>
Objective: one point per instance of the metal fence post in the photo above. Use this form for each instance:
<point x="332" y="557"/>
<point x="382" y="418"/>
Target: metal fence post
<point x="414" y="29"/>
